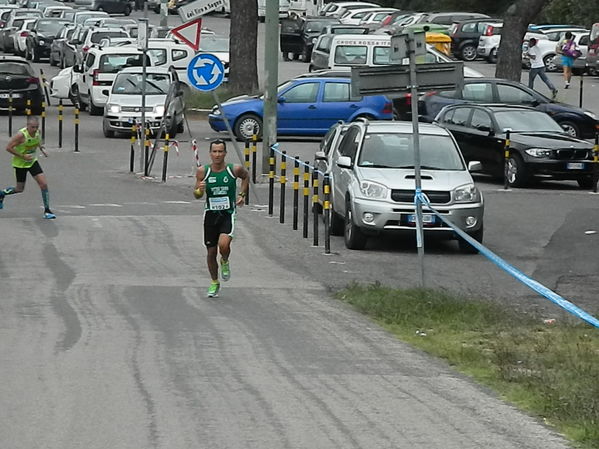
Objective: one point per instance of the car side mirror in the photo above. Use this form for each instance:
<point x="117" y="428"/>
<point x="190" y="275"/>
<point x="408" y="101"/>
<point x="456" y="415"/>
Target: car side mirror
<point x="77" y="69"/>
<point x="344" y="162"/>
<point x="105" y="92"/>
<point x="281" y="100"/>
<point x="485" y="129"/>
<point x="475" y="166"/>
<point x="320" y="156"/>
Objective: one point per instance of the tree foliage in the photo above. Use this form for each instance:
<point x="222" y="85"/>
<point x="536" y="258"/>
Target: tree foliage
<point x="243" y="69"/>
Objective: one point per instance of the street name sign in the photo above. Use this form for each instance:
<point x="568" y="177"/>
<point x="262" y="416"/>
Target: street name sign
<point x="394" y="80"/>
<point x="198" y="8"/>
<point x="189" y="33"/>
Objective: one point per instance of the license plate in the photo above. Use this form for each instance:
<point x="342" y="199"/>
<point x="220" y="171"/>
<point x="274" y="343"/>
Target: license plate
<point x="13" y="95"/>
<point x="575" y="165"/>
<point x="426" y="219"/>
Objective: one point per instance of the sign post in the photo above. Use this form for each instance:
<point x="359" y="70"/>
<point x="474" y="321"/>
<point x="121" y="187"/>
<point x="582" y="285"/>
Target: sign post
<point x="396" y="80"/>
<point x="142" y="44"/>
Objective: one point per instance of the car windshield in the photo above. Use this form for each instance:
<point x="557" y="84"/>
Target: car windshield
<point x="51" y="26"/>
<point x="394" y="150"/>
<point x="97" y="37"/>
<point x="213" y="43"/>
<point x="130" y="84"/>
<point x="525" y="120"/>
<point x="13" y="68"/>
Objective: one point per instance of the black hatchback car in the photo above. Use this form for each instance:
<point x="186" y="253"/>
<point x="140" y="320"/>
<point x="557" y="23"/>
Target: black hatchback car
<point x="17" y="77"/>
<point x="40" y="37"/>
<point x="538" y="145"/>
<point x="298" y="35"/>
<point x="576" y="121"/>
<point x="464" y="37"/>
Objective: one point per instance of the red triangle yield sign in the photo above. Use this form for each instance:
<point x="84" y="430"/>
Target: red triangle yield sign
<point x="189" y="33"/>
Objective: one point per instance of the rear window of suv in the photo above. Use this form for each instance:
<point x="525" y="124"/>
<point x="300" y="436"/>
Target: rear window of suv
<point x="114" y="63"/>
<point x="14" y="68"/>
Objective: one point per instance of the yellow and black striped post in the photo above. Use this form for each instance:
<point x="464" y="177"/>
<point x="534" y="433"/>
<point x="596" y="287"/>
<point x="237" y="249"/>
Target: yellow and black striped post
<point x="315" y="205"/>
<point x="77" y="128"/>
<point x="254" y="153"/>
<point x="327" y="213"/>
<point x="506" y="156"/>
<point x="10" y="113"/>
<point x="60" y="108"/>
<point x="165" y="160"/>
<point x="28" y="108"/>
<point x="283" y="186"/>
<point x="596" y="162"/>
<point x="246" y="156"/>
<point x="296" y="171"/>
<point x="43" y="120"/>
<point x="306" y="197"/>
<point x="146" y="148"/>
<point x="271" y="181"/>
<point x="132" y="151"/>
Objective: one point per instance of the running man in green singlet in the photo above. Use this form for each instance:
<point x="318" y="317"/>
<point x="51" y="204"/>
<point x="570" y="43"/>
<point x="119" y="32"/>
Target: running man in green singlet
<point x="23" y="146"/>
<point x="219" y="181"/>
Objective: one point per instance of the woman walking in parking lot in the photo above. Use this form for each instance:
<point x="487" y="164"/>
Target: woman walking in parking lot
<point x="569" y="51"/>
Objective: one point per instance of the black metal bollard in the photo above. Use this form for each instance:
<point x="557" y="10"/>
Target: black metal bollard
<point x="283" y="185"/>
<point x="271" y="181"/>
<point x="327" y="213"/>
<point x="43" y="77"/>
<point x="315" y="205"/>
<point x="246" y="156"/>
<point x="506" y="156"/>
<point x="43" y="120"/>
<point x="10" y="113"/>
<point x="254" y="155"/>
<point x="132" y="151"/>
<point x="146" y="149"/>
<point x="306" y="197"/>
<point x="60" y="108"/>
<point x="28" y="107"/>
<point x="165" y="160"/>
<point x="295" y="192"/>
<point x="581" y="90"/>
<point x="77" y="128"/>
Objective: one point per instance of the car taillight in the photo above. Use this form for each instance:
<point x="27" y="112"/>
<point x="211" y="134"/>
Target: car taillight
<point x="95" y="78"/>
<point x="386" y="20"/>
<point x="33" y="80"/>
<point x="85" y="49"/>
<point x="489" y="31"/>
<point x="408" y="99"/>
<point x="388" y="108"/>
<point x="24" y="34"/>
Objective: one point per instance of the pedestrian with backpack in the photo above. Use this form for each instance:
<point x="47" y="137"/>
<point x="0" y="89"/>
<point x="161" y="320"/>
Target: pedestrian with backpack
<point x="569" y="51"/>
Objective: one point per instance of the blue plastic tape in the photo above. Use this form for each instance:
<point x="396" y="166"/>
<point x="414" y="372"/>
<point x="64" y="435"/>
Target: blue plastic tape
<point x="510" y="269"/>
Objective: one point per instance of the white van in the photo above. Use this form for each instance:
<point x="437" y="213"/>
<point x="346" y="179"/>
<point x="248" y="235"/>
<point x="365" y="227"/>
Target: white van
<point x="305" y="7"/>
<point x="339" y="51"/>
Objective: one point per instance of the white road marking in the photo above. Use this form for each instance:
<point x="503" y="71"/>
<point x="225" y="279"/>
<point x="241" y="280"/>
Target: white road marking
<point x="105" y="205"/>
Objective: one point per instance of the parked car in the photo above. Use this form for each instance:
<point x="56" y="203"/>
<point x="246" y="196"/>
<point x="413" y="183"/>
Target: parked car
<point x="58" y="43"/>
<point x="372" y="176"/>
<point x="40" y="37"/>
<point x="18" y="76"/>
<point x="575" y="121"/>
<point x="20" y="36"/>
<point x="337" y="9"/>
<point x="298" y="35"/>
<point x="306" y="106"/>
<point x="373" y="19"/>
<point x="64" y="85"/>
<point x="123" y="106"/>
<point x="354" y="16"/>
<point x="465" y="37"/>
<point x="55" y="10"/>
<point x="488" y="43"/>
<point x="9" y="28"/>
<point x="539" y="147"/>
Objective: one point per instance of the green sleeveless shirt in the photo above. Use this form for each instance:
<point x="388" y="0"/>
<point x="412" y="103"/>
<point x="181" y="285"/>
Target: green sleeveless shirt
<point x="221" y="189"/>
<point x="28" y="147"/>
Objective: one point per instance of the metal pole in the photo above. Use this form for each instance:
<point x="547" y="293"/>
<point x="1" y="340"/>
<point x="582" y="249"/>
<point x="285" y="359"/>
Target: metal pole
<point x="10" y="113"/>
<point x="246" y="155"/>
<point x="581" y="90"/>
<point x="506" y="159"/>
<point x="306" y="199"/>
<point x="163" y="13"/>
<point x="254" y="151"/>
<point x="143" y="23"/>
<point x="327" y="214"/>
<point x="271" y="181"/>
<point x="283" y="185"/>
<point x="165" y="160"/>
<point x="416" y="140"/>
<point x="132" y="153"/>
<point x="315" y="206"/>
<point x="44" y="120"/>
<point x="271" y="72"/>
<point x="595" y="161"/>
<point x="296" y="172"/>
<point x="77" y="128"/>
<point x="60" y="108"/>
<point x="146" y="150"/>
<point x="45" y="87"/>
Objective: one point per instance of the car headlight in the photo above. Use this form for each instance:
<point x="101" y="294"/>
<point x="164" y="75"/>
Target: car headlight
<point x="590" y="114"/>
<point x="539" y="152"/>
<point x="114" y="108"/>
<point x="314" y="39"/>
<point x="215" y="110"/>
<point x="42" y="42"/>
<point x="466" y="194"/>
<point x="373" y="190"/>
<point x="159" y="109"/>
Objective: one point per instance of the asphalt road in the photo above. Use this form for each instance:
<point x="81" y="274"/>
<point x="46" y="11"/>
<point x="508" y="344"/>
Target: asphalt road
<point x="107" y="339"/>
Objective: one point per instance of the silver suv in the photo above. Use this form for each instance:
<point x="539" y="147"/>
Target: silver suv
<point x="373" y="180"/>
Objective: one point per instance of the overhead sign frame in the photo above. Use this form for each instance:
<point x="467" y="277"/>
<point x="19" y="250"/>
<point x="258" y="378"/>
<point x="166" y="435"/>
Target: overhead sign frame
<point x="189" y="33"/>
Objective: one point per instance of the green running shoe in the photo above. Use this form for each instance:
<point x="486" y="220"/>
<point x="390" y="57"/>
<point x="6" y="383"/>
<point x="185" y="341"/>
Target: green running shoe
<point x="225" y="270"/>
<point x="213" y="289"/>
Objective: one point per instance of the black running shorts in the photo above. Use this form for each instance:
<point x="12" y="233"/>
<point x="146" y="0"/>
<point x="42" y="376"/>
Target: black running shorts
<point x="215" y="224"/>
<point x="21" y="173"/>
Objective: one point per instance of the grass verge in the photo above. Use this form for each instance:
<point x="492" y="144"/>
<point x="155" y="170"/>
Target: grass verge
<point x="205" y="100"/>
<point x="547" y="369"/>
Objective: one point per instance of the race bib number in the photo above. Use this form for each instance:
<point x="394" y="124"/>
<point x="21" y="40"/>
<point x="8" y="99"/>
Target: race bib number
<point x="219" y="203"/>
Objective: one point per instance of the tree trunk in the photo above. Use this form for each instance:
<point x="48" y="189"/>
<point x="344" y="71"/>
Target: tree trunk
<point x="243" y="68"/>
<point x="516" y="20"/>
